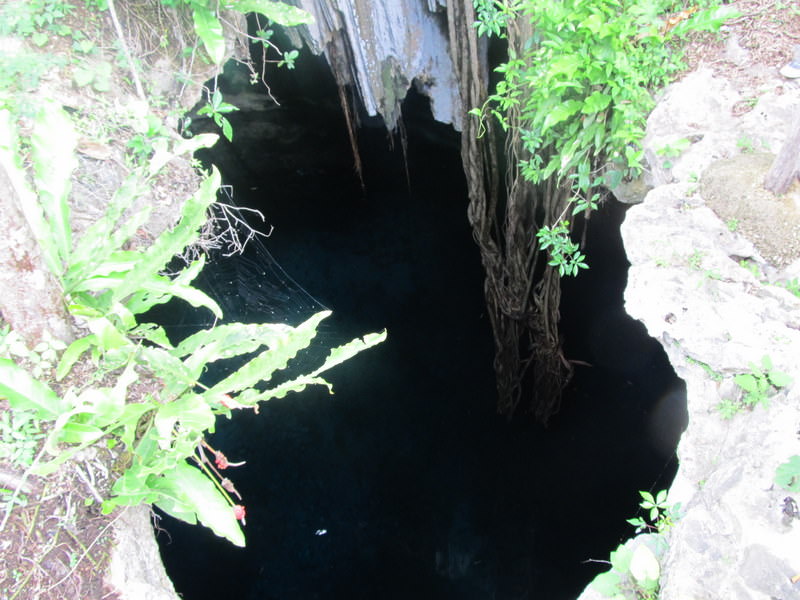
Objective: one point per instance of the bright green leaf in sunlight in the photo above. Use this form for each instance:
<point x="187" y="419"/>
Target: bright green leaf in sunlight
<point x="209" y="30"/>
<point x="560" y="113"/>
<point x="644" y="566"/>
<point x="596" y="102"/>
<point x="185" y="489"/>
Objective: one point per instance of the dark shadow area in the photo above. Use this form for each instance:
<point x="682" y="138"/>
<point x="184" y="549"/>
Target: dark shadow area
<point x="405" y="484"/>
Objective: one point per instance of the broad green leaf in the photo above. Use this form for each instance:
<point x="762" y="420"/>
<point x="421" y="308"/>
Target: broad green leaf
<point x="107" y="335"/>
<point x="73" y="353"/>
<point x="53" y="164"/>
<point x="195" y="143"/>
<point x="278" y="12"/>
<point x="131" y="489"/>
<point x="566" y="65"/>
<point x="80" y="433"/>
<point x="607" y="584"/>
<point x="190" y="410"/>
<point x="644" y="566"/>
<point x="192" y="490"/>
<point x="621" y="558"/>
<point x="595" y="103"/>
<point x="161" y="287"/>
<point x="787" y="475"/>
<point x="747" y="382"/>
<point x="24" y="392"/>
<point x="227" y="129"/>
<point x="560" y="113"/>
<point x="614" y="178"/>
<point x="209" y="30"/>
<point x="779" y="379"/>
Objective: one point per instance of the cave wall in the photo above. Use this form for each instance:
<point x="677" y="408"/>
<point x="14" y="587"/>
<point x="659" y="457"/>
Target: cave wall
<point x="381" y="48"/>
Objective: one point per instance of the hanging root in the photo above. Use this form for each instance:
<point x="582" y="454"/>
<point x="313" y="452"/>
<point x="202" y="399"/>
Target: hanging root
<point x="351" y="133"/>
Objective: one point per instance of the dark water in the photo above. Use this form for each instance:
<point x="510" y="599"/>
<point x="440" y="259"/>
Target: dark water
<point x="405" y="484"/>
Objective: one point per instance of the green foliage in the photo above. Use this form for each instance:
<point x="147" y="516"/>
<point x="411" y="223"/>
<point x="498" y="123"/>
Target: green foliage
<point x="673" y="150"/>
<point x="208" y="27"/>
<point x="661" y="515"/>
<point x="98" y="75"/>
<point x="493" y="16"/>
<point x="635" y="570"/>
<point x="757" y="386"/>
<point x="20" y="436"/>
<point x="579" y="94"/>
<point x="35" y="19"/>
<point x="711" y="373"/>
<point x="787" y="475"/>
<point x="107" y="285"/>
<point x="564" y="253"/>
<point x="793" y="285"/>
<point x="216" y="109"/>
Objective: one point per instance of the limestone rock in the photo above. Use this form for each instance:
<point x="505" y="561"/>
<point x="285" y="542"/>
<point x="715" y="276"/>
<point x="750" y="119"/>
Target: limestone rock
<point x="136" y="571"/>
<point x="382" y="48"/>
<point x="737" y="540"/>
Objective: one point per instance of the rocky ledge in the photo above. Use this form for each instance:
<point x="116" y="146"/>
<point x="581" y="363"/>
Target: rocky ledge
<point x="703" y="287"/>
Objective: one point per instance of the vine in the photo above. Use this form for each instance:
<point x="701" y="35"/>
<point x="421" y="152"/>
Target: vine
<point x="571" y="107"/>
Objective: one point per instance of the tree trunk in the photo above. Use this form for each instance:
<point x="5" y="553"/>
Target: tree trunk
<point x="31" y="300"/>
<point x="786" y="167"/>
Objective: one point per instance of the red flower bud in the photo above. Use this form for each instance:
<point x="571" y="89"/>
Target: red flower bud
<point x="239" y="512"/>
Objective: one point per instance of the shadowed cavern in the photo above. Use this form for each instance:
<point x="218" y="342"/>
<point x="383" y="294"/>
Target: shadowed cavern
<point x="406" y="483"/>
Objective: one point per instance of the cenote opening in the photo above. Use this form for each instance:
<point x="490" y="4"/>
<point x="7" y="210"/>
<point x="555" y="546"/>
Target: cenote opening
<point x="406" y="483"/>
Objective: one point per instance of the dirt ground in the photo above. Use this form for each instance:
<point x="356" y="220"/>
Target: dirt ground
<point x="55" y="543"/>
<point x="768" y="31"/>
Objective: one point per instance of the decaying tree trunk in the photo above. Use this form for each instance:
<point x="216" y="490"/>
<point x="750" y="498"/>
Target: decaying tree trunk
<point x="786" y="167"/>
<point x="30" y="297"/>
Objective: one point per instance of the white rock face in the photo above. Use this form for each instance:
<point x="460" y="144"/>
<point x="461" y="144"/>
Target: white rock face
<point x="386" y="46"/>
<point x="712" y="316"/>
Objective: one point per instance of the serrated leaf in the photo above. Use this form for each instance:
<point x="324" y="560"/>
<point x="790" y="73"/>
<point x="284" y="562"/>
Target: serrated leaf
<point x="172" y="242"/>
<point x="342" y="353"/>
<point x="24" y="392"/>
<point x="268" y="362"/>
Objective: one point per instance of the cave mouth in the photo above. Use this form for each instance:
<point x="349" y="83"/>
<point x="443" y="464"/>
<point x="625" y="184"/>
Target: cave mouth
<point x="405" y="483"/>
